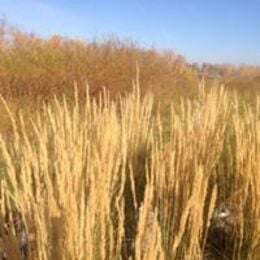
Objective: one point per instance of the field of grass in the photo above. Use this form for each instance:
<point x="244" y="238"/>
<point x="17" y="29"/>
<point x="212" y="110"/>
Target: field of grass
<point x="162" y="166"/>
<point x="100" y="179"/>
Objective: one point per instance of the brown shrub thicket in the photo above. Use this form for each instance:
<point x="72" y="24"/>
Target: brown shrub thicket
<point x="37" y="67"/>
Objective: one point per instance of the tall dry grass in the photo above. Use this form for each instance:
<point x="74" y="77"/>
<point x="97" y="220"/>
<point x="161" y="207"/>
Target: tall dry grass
<point x="103" y="181"/>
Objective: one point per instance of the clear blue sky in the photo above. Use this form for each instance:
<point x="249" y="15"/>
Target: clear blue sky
<point x="201" y="30"/>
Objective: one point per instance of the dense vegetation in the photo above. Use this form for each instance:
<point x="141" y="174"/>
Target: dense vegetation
<point x="102" y="181"/>
<point x="33" y="68"/>
<point x="162" y="166"/>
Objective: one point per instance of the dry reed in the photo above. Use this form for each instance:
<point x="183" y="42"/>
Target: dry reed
<point x="101" y="181"/>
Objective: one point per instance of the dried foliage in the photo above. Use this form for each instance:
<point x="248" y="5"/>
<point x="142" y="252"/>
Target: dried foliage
<point x="101" y="180"/>
<point x="36" y="67"/>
